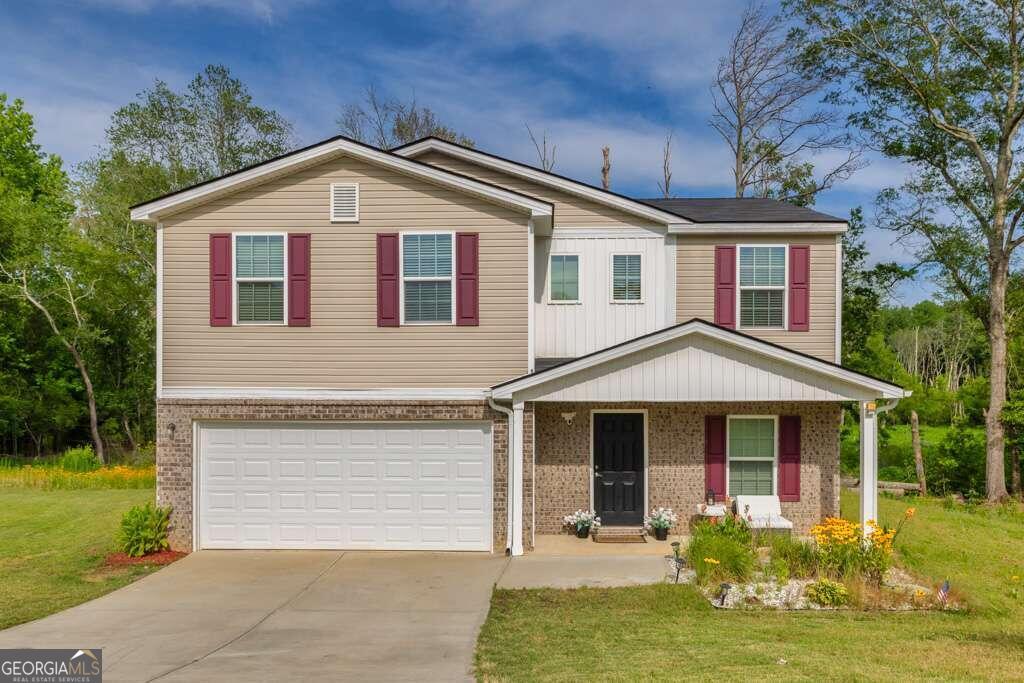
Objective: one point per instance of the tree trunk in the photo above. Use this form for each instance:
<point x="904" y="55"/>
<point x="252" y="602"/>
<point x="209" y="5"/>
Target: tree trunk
<point x="915" y="431"/>
<point x="90" y="396"/>
<point x="128" y="433"/>
<point x="995" y="466"/>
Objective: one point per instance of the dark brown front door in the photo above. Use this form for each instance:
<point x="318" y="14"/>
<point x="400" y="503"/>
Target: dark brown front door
<point x="619" y="468"/>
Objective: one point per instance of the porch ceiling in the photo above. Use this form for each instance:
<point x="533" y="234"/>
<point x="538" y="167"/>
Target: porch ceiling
<point x="697" y="361"/>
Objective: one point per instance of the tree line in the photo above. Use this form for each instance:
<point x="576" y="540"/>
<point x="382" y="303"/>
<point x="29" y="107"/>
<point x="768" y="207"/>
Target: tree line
<point x="934" y="84"/>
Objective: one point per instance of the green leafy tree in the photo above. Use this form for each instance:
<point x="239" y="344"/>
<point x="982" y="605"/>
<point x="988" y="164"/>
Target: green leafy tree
<point x="937" y="85"/>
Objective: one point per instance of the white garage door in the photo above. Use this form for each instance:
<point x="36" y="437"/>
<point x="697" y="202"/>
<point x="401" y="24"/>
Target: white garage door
<point x="366" y="486"/>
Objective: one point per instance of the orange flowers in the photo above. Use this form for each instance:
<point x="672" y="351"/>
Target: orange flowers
<point x="909" y="514"/>
<point x="117" y="477"/>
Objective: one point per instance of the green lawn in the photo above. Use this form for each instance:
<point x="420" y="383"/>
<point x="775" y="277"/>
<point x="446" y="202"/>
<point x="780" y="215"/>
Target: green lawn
<point x="668" y="632"/>
<point x="53" y="545"/>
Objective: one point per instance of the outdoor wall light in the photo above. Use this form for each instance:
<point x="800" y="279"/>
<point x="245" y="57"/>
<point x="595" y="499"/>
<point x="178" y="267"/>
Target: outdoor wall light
<point x="568" y="417"/>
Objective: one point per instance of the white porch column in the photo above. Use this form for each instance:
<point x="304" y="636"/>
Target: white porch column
<point x="868" y="463"/>
<point x="515" y="466"/>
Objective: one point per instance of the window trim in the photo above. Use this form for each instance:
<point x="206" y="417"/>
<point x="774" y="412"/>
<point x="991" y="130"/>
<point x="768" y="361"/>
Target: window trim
<point x="330" y="204"/>
<point x="775" y="450"/>
<point x="611" y="278"/>
<point x="784" y="288"/>
<point x="579" y="279"/>
<point x="235" y="280"/>
<point x="401" y="278"/>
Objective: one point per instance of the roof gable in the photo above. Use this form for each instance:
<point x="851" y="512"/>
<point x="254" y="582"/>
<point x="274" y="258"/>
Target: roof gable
<point x="546" y="178"/>
<point x="697" y="361"/>
<point x="154" y="209"/>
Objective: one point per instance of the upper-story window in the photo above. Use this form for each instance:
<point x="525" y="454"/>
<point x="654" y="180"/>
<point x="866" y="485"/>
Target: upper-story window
<point x="564" y="285"/>
<point x="259" y="279"/>
<point x="427" y="287"/>
<point x="626" y="278"/>
<point x="762" y="290"/>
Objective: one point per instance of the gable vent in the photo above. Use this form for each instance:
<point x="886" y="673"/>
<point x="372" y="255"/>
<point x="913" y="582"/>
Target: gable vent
<point x="344" y="202"/>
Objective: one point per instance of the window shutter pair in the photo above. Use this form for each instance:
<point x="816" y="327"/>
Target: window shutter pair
<point x="789" y="456"/>
<point x="798" y="287"/>
<point x="467" y="279"/>
<point x="221" y="275"/>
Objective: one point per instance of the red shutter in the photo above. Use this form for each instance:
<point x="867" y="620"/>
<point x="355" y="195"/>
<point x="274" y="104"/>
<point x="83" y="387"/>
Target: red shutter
<point x="298" y="280"/>
<point x="467" y="278"/>
<point x="799" y="288"/>
<point x="387" y="280"/>
<point x="220" y="280"/>
<point x="714" y="455"/>
<point x="789" y="458"/>
<point x="725" y="286"/>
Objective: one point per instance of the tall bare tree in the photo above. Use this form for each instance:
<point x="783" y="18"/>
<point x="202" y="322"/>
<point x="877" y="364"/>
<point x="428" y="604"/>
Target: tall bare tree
<point x="765" y="111"/>
<point x="665" y="185"/>
<point x="940" y="86"/>
<point x="388" y="122"/>
<point x="606" y="167"/>
<point x="545" y="155"/>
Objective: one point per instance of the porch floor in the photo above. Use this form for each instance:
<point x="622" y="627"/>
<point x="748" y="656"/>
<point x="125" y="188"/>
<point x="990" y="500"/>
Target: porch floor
<point x="567" y="545"/>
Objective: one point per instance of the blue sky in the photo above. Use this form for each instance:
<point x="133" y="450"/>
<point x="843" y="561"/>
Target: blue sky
<point x="591" y="73"/>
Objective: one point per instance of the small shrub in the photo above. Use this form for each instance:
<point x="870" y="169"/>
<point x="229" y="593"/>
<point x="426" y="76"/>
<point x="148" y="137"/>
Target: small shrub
<point x="798" y="557"/>
<point x="81" y="459"/>
<point x="145" y="455"/>
<point x="731" y="526"/>
<point x="144" y="530"/>
<point x="716" y="558"/>
<point x="828" y="593"/>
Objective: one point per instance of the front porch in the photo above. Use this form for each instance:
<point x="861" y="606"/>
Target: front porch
<point x="663" y="419"/>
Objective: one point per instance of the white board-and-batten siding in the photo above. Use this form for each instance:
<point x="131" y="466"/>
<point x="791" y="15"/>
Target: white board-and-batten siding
<point x="695" y="368"/>
<point x="570" y="330"/>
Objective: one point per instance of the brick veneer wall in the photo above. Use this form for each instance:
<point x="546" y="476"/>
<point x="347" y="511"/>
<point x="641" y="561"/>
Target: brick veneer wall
<point x="676" y="457"/>
<point x="174" y="449"/>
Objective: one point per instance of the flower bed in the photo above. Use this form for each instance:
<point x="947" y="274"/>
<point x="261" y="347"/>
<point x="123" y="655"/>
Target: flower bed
<point x="838" y="568"/>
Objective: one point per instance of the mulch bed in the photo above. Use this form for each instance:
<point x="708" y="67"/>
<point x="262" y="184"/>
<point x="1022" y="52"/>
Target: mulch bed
<point x="161" y="558"/>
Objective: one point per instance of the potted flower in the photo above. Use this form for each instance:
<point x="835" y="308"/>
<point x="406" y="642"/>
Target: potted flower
<point x="582" y="521"/>
<point x="660" y="520"/>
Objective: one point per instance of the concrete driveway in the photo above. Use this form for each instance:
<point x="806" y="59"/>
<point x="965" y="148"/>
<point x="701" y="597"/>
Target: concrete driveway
<point x="285" y="615"/>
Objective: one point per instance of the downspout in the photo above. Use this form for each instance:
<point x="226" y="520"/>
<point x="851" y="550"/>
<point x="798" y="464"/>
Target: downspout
<point x="509" y="507"/>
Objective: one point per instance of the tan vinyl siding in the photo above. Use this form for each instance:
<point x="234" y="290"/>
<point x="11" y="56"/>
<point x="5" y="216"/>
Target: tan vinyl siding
<point x="570" y="211"/>
<point x="695" y="291"/>
<point x="344" y="348"/>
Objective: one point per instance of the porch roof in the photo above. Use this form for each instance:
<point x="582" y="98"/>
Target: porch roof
<point x="697" y="361"/>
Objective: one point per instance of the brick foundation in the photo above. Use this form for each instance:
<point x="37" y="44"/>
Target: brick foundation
<point x="675" y="475"/>
<point x="174" y="446"/>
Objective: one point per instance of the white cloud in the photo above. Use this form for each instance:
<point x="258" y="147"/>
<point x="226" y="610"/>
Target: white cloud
<point x="262" y="10"/>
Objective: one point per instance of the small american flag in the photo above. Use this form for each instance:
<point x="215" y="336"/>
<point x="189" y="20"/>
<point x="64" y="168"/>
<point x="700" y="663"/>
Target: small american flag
<point x="944" y="591"/>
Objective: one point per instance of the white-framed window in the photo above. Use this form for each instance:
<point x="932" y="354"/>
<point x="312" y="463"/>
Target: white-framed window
<point x="344" y="202"/>
<point x="752" y="454"/>
<point x="564" y="279"/>
<point x="260" y="285"/>
<point x="762" y="286"/>
<point x="428" y="287"/>
<point x="627" y="279"/>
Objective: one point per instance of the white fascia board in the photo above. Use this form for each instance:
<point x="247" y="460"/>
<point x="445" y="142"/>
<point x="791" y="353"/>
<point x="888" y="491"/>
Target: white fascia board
<point x="758" y="228"/>
<point x="311" y="394"/>
<point x="884" y="389"/>
<point x="541" y="178"/>
<point x="149" y="212"/>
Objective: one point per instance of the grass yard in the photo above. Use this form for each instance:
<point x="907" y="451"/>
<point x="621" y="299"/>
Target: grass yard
<point x="667" y="632"/>
<point x="53" y="545"/>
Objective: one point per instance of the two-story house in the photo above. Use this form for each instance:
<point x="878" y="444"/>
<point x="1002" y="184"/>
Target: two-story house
<point x="437" y="348"/>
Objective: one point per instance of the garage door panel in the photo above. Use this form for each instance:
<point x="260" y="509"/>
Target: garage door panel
<point x="399" y="487"/>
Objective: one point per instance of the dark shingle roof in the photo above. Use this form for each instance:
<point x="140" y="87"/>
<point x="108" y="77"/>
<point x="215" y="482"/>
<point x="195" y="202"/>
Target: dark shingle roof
<point x="740" y="210"/>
